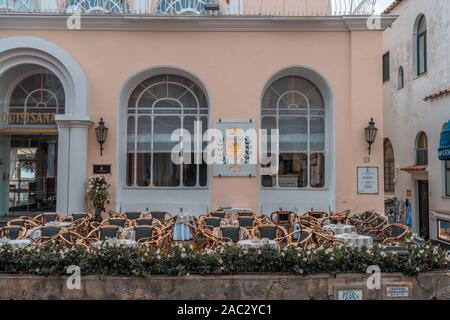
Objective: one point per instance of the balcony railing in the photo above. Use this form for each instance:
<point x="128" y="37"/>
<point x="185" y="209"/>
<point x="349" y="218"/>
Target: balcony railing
<point x="191" y="7"/>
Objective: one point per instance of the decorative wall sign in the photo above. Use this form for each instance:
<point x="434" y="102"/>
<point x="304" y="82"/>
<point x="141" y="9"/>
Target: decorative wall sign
<point x="27" y="118"/>
<point x="237" y="149"/>
<point x="102" y="169"/>
<point x="397" y="291"/>
<point x="349" y="293"/>
<point x="368" y="179"/>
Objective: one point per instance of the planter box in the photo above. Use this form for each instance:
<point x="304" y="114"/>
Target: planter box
<point x="433" y="285"/>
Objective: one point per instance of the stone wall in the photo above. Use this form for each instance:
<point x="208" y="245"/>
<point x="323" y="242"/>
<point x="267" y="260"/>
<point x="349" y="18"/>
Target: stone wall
<point x="435" y="285"/>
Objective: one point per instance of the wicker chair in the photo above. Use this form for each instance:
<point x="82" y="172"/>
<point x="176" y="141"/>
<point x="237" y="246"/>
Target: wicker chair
<point x="120" y="222"/>
<point x="283" y="218"/>
<point x="133" y="215"/>
<point x="144" y="221"/>
<point x="247" y="222"/>
<point x="234" y="234"/>
<point x="212" y="222"/>
<point x="272" y="232"/>
<point x="47" y="217"/>
<point x="160" y="215"/>
<point x="375" y="225"/>
<point x="13" y="232"/>
<point x="391" y="234"/>
<point x="217" y="214"/>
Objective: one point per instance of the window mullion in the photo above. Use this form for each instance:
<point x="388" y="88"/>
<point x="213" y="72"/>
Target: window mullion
<point x="135" y="150"/>
<point x="152" y="131"/>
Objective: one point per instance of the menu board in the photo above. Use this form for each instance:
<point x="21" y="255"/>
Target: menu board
<point x="368" y="179"/>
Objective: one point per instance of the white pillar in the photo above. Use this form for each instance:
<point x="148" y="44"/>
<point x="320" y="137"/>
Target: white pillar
<point x="72" y="165"/>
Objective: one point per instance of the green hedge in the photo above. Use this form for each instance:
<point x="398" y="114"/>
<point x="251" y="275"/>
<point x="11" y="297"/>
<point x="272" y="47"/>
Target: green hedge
<point x="112" y="259"/>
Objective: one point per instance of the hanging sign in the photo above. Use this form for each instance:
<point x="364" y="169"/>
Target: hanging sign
<point x="368" y="179"/>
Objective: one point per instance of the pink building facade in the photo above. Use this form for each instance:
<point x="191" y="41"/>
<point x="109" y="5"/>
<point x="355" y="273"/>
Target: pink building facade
<point x="307" y="70"/>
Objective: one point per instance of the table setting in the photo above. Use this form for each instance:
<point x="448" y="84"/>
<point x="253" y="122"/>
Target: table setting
<point x="355" y="239"/>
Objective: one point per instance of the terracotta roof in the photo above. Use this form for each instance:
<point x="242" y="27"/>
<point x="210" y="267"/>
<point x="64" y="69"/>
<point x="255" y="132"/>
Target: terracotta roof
<point x="415" y="168"/>
<point x="392" y="6"/>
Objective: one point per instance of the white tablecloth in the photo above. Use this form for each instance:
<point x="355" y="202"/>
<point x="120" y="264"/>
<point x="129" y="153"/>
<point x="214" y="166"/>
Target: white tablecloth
<point x="251" y="244"/>
<point x="58" y="224"/>
<point x="339" y="228"/>
<point x="355" y="239"/>
<point x="16" y="243"/>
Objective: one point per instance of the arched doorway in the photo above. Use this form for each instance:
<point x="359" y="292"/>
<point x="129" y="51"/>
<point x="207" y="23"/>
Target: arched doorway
<point x="33" y="96"/>
<point x="54" y="74"/>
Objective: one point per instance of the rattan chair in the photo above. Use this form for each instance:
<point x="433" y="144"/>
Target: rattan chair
<point x="12" y="232"/>
<point x="133" y="215"/>
<point x="160" y="215"/>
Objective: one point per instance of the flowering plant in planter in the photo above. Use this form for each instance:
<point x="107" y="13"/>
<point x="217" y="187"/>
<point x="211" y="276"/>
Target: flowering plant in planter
<point x="98" y="192"/>
<point x="112" y="258"/>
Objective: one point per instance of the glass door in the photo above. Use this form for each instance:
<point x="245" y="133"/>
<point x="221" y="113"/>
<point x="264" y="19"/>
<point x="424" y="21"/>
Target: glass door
<point x="32" y="176"/>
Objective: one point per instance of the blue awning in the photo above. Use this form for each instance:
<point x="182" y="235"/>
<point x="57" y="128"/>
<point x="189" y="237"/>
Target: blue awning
<point x="444" y="147"/>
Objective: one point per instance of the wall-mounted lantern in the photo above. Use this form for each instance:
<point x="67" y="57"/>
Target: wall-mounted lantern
<point x="102" y="133"/>
<point x="371" y="134"/>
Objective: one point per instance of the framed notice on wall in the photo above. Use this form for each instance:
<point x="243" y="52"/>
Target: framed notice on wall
<point x="368" y="179"/>
<point x="236" y="149"/>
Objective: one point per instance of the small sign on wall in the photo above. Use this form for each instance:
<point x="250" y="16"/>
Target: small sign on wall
<point x="397" y="291"/>
<point x="368" y="180"/>
<point x="102" y="169"/>
<point x="342" y="292"/>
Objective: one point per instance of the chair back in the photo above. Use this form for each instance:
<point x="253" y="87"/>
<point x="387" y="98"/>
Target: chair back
<point x="133" y="215"/>
<point x="79" y="215"/>
<point x="213" y="222"/>
<point x="231" y="232"/>
<point x="17" y="222"/>
<point x="246" y="222"/>
<point x="144" y="221"/>
<point x="11" y="232"/>
<point x="318" y="215"/>
<point x="49" y="231"/>
<point x="107" y="232"/>
<point x="397" y="230"/>
<point x="218" y="214"/>
<point x="268" y="232"/>
<point x="245" y="214"/>
<point x="117" y="222"/>
<point x="49" y="217"/>
<point x="158" y="215"/>
<point x="142" y="232"/>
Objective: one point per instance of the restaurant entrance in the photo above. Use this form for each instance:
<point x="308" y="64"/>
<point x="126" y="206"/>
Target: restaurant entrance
<point x="424" y="212"/>
<point x="32" y="173"/>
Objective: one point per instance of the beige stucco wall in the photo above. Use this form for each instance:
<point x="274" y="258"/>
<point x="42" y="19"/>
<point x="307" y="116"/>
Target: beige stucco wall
<point x="235" y="67"/>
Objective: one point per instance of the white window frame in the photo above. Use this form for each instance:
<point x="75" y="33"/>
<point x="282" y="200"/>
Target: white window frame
<point x="151" y="114"/>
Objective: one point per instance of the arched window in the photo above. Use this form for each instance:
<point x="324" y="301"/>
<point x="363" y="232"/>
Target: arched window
<point x="389" y="167"/>
<point x="421" y="46"/>
<point x="295" y="106"/>
<point x="19" y="5"/>
<point x="157" y="107"/>
<point x="98" y="6"/>
<point x="40" y="93"/>
<point x="400" y="79"/>
<point x="422" y="149"/>
<point x="186" y="7"/>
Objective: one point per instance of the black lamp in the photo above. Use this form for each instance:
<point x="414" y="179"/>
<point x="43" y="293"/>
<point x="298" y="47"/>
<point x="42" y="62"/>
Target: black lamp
<point x="371" y="133"/>
<point x="102" y="133"/>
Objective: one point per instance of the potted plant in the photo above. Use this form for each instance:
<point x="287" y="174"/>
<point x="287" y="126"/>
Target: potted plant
<point x="98" y="194"/>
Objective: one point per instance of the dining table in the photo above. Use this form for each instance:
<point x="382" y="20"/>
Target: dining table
<point x="340" y="228"/>
<point x="355" y="239"/>
<point x="17" y="243"/>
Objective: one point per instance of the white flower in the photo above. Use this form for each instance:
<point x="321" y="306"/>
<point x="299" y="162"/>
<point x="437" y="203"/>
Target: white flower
<point x="301" y="271"/>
